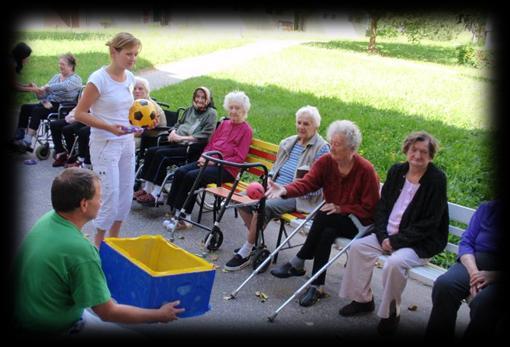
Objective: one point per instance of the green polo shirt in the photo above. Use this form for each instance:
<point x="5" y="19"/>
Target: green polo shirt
<point x="58" y="274"/>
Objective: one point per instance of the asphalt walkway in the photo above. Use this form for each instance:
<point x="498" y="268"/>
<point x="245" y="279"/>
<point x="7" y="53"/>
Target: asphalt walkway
<point x="166" y="74"/>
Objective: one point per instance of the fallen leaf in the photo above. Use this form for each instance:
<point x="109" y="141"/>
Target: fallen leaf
<point x="412" y="307"/>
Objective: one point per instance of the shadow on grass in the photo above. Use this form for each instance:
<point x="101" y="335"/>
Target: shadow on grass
<point x="272" y="117"/>
<point x="417" y="52"/>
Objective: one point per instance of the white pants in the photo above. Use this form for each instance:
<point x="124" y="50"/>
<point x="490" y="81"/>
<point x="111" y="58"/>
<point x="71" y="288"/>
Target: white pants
<point x="114" y="162"/>
<point x="363" y="254"/>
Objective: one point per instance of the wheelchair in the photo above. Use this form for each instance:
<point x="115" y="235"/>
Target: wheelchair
<point x="149" y="141"/>
<point x="43" y="139"/>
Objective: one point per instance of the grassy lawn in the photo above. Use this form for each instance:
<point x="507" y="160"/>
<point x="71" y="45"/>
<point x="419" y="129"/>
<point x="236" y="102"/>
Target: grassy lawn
<point x="158" y="46"/>
<point x="387" y="97"/>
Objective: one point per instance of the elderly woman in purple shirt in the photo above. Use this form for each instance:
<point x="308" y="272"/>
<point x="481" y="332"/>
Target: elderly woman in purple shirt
<point x="475" y="277"/>
<point x="232" y="138"/>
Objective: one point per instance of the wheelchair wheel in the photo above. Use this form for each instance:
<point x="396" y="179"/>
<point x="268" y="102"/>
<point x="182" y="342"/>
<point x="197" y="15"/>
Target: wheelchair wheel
<point x="259" y="257"/>
<point x="43" y="152"/>
<point x="213" y="240"/>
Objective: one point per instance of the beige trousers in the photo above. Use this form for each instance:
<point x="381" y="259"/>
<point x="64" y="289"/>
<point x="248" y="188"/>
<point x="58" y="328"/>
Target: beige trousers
<point x="363" y="254"/>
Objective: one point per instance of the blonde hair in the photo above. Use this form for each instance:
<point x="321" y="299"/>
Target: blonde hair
<point x="123" y="40"/>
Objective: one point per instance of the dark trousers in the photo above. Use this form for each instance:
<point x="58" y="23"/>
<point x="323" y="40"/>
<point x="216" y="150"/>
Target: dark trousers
<point x="83" y="144"/>
<point x="156" y="160"/>
<point x="61" y="128"/>
<point x="325" y="229"/>
<point x="183" y="181"/>
<point x="447" y="294"/>
<point x="34" y="112"/>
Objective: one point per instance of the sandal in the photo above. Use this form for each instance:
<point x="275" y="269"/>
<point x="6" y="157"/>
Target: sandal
<point x="138" y="193"/>
<point x="146" y="200"/>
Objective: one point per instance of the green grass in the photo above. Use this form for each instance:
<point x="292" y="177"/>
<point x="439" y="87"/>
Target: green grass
<point x="158" y="46"/>
<point x="386" y="97"/>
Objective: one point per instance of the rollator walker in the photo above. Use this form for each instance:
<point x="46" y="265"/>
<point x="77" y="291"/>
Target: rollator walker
<point x="223" y="201"/>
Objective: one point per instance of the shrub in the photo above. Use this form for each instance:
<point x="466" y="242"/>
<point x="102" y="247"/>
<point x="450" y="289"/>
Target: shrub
<point x="471" y="55"/>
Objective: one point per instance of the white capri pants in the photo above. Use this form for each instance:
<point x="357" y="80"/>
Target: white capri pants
<point x="114" y="162"/>
<point x="363" y="254"/>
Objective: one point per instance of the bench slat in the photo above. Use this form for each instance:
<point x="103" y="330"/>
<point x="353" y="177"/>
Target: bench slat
<point x="460" y="213"/>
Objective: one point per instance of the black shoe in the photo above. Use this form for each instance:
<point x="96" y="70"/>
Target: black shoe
<point x="287" y="270"/>
<point x="355" y="307"/>
<point x="388" y="326"/>
<point x="237" y="263"/>
<point x="310" y="297"/>
<point x="238" y="249"/>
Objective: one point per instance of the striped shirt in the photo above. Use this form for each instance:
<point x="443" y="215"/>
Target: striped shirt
<point x="287" y="173"/>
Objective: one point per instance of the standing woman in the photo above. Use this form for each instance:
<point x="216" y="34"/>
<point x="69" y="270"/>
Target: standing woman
<point x="109" y="95"/>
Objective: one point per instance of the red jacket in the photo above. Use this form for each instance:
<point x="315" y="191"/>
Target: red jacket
<point x="356" y="193"/>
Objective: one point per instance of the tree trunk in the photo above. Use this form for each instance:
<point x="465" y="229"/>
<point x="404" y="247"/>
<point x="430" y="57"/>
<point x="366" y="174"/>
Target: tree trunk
<point x="373" y="34"/>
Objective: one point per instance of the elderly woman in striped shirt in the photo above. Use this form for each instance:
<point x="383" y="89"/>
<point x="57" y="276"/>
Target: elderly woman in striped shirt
<point x="296" y="155"/>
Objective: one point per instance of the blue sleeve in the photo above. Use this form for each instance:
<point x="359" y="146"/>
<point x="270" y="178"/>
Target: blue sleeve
<point x="467" y="242"/>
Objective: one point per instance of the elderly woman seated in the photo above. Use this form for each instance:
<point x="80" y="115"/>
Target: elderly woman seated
<point x="63" y="87"/>
<point x="232" y="139"/>
<point x="193" y="129"/>
<point x="296" y="155"/>
<point x="350" y="185"/>
<point x="477" y="277"/>
<point x="148" y="138"/>
<point x="411" y="226"/>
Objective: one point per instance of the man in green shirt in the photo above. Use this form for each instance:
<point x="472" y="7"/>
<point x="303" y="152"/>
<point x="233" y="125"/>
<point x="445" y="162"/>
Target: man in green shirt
<point x="58" y="271"/>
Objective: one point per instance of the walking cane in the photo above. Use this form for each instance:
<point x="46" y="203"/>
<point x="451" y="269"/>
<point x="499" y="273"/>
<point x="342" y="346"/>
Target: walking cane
<point x="362" y="230"/>
<point x="270" y="256"/>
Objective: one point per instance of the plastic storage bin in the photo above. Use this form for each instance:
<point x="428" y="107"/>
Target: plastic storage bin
<point x="148" y="271"/>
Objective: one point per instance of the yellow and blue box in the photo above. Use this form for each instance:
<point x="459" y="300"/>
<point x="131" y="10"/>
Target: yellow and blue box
<point x="147" y="271"/>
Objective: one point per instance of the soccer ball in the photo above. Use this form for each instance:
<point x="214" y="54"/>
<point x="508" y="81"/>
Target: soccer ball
<point x="142" y="113"/>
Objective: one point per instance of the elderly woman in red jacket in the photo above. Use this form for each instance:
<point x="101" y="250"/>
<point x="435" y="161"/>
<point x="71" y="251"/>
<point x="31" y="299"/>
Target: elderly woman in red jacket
<point x="350" y="185"/>
<point x="232" y="138"/>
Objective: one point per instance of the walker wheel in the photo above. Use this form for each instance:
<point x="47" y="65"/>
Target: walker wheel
<point x="213" y="240"/>
<point x="43" y="152"/>
<point x="259" y="257"/>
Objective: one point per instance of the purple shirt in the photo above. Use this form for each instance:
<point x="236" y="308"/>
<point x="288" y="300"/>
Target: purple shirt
<point x="482" y="234"/>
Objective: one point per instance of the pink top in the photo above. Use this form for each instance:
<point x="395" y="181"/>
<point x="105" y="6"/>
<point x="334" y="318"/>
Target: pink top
<point x="233" y="141"/>
<point x="404" y="199"/>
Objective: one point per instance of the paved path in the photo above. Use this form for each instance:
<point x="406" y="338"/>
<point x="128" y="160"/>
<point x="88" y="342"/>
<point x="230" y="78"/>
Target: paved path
<point x="172" y="73"/>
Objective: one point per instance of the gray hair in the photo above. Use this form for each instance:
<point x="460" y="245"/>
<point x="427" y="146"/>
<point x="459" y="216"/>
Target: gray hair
<point x="310" y="111"/>
<point x="144" y="82"/>
<point x="348" y="129"/>
<point x="238" y="97"/>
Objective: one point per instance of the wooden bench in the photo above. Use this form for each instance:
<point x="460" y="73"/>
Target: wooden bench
<point x="426" y="274"/>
